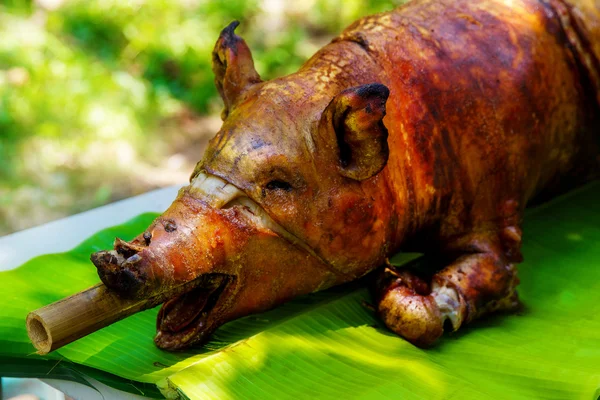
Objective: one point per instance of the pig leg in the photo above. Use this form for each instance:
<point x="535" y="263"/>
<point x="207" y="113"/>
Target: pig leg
<point x="480" y="280"/>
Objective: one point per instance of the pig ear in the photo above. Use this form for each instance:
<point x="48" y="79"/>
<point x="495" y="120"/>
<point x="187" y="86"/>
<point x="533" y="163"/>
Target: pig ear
<point x="357" y="118"/>
<point x="233" y="66"/>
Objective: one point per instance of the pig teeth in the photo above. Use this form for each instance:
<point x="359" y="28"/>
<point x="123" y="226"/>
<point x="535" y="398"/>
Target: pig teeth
<point x="213" y="190"/>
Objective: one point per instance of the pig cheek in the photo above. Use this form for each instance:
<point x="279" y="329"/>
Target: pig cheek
<point x="352" y="232"/>
<point x="272" y="271"/>
<point x="293" y="212"/>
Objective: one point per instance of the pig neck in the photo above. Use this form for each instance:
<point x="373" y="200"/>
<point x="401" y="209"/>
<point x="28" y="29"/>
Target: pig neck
<point x="415" y="204"/>
<point x="340" y="65"/>
<point x="418" y="203"/>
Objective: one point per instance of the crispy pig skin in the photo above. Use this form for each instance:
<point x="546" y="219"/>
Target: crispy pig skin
<point x="427" y="128"/>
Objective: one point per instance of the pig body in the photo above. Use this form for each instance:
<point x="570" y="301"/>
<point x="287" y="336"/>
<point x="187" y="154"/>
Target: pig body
<point x="427" y="128"/>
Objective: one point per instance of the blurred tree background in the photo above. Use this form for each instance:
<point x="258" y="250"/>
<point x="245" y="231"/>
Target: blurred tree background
<point x="102" y="100"/>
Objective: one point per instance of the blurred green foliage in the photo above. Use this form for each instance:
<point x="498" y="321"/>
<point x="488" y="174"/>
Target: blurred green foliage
<point x="95" y="95"/>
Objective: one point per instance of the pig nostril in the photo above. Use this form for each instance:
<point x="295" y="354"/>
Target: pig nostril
<point x="124" y="281"/>
<point x="102" y="259"/>
<point x="134" y="259"/>
<point x="127" y="283"/>
<point x="126" y="249"/>
<point x="147" y="238"/>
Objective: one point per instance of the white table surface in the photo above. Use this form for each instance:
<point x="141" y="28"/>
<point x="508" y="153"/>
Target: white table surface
<point x="63" y="235"/>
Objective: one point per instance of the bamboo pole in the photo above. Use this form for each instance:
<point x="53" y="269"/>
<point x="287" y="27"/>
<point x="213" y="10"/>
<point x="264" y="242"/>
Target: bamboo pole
<point x="76" y="316"/>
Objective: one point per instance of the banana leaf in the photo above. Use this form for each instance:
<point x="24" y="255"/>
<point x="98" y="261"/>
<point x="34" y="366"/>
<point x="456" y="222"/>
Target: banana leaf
<point x="329" y="344"/>
<point x="122" y="355"/>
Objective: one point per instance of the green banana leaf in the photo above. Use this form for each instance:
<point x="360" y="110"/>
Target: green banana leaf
<point x="122" y="355"/>
<point x="329" y="344"/>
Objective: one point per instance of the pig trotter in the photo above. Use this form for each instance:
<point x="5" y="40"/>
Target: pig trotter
<point x="471" y="286"/>
<point x="406" y="307"/>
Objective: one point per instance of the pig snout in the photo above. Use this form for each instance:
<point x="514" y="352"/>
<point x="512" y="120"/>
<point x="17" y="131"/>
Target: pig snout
<point x="123" y="269"/>
<point x="144" y="266"/>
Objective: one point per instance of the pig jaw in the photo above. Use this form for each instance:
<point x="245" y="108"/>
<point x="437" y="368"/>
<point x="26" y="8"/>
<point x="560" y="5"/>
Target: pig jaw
<point x="231" y="257"/>
<point x="193" y="316"/>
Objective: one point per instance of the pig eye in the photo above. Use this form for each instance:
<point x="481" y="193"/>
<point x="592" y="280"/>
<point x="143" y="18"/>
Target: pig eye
<point x="279" y="185"/>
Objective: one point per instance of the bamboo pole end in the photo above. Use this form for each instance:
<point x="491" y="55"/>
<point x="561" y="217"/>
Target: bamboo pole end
<point x="39" y="334"/>
<point x="66" y="320"/>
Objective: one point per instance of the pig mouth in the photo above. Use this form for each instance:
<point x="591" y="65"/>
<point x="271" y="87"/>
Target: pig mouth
<point x="190" y="317"/>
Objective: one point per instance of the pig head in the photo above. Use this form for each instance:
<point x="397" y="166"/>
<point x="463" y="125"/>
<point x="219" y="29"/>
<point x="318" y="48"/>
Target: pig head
<point x="287" y="200"/>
